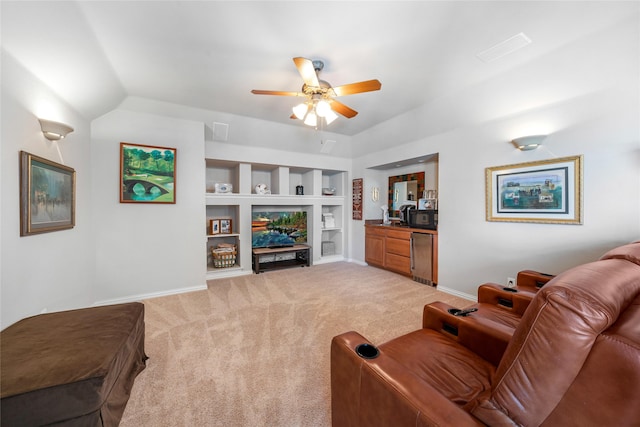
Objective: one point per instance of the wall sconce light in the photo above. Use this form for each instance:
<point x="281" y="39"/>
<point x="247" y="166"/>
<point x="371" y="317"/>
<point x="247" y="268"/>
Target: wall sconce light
<point x="526" y="143"/>
<point x="54" y="131"/>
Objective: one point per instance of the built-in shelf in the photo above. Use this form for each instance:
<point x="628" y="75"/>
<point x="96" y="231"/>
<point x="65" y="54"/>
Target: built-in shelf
<point x="282" y="182"/>
<point x="220" y="236"/>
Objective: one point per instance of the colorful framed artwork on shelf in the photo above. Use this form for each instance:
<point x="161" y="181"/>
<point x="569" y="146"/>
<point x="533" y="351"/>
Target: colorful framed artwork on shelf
<point x="147" y="174"/>
<point x="545" y="191"/>
<point x="47" y="195"/>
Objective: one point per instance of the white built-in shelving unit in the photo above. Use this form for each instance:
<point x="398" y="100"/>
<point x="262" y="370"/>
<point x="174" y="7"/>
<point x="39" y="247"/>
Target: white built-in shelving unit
<point x="327" y="244"/>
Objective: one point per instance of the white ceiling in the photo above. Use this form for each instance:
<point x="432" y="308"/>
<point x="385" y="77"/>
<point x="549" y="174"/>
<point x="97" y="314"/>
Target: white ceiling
<point x="210" y="54"/>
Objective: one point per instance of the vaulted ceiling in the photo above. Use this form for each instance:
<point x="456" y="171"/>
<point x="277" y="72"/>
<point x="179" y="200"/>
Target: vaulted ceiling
<point x="210" y="54"/>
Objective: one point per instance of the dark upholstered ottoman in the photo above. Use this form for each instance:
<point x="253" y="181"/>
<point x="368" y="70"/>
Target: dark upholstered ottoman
<point x="72" y="368"/>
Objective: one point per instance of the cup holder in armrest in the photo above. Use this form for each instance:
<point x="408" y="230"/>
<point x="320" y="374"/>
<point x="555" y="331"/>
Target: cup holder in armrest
<point x="454" y="311"/>
<point x="367" y="351"/>
<point x="510" y="290"/>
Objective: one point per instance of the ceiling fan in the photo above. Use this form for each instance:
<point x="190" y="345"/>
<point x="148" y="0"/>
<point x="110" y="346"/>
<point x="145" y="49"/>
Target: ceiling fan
<point x="321" y="102"/>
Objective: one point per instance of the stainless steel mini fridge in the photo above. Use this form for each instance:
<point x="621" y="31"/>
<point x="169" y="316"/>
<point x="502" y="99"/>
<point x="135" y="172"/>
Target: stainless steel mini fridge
<point x="422" y="258"/>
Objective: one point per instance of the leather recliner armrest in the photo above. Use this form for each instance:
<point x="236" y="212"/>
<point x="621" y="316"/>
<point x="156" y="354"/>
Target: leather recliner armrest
<point x="514" y="300"/>
<point x="415" y="402"/>
<point x="532" y="280"/>
<point x="486" y="338"/>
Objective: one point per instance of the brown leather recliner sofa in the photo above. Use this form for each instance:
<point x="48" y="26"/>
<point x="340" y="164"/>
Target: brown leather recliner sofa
<point x="497" y="313"/>
<point x="573" y="360"/>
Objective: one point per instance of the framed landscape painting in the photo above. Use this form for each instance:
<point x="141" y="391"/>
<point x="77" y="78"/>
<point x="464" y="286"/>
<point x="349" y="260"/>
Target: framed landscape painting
<point x="47" y="195"/>
<point x="147" y="174"/>
<point x="546" y="191"/>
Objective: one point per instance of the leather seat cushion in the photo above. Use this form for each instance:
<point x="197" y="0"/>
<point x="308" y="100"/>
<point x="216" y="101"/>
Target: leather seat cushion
<point x="458" y="373"/>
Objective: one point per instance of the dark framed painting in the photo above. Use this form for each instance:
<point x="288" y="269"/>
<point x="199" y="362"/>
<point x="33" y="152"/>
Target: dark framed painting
<point x="47" y="195"/>
<point x="545" y="191"/>
<point x="147" y="174"/>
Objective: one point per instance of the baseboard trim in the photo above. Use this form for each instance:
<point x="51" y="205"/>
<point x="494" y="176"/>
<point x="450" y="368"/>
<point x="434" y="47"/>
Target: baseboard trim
<point x="329" y="259"/>
<point x="225" y="274"/>
<point x="457" y="293"/>
<point x="140" y="297"/>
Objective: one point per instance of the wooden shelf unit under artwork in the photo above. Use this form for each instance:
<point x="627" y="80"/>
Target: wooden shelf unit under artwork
<point x="275" y="258"/>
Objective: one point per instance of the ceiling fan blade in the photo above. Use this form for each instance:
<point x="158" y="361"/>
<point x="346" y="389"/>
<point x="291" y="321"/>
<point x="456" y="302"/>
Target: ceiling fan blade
<point x="340" y="108"/>
<point x="276" y="92"/>
<point x="350" y="89"/>
<point x="307" y="71"/>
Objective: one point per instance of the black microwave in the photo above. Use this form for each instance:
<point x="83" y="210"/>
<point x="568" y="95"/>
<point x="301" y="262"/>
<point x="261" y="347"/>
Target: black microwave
<point x="427" y="218"/>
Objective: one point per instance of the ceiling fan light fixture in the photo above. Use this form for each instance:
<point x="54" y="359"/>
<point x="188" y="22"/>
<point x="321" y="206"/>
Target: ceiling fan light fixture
<point x="300" y="110"/>
<point x="320" y="94"/>
<point x="311" y="119"/>
<point x="330" y="116"/>
<point x="323" y="108"/>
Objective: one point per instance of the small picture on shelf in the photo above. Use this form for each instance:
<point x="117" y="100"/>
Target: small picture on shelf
<point x="225" y="226"/>
<point x="214" y="226"/>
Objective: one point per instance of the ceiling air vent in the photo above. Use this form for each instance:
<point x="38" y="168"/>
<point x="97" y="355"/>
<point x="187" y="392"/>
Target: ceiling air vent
<point x="326" y="146"/>
<point x="220" y="131"/>
<point x="504" y="48"/>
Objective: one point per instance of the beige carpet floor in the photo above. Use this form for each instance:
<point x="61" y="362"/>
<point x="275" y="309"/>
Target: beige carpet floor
<point x="254" y="350"/>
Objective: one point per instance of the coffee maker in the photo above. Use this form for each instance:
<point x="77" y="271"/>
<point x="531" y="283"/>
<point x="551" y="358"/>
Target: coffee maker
<point x="404" y="211"/>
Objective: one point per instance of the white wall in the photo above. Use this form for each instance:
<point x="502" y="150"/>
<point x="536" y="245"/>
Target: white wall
<point x="145" y="250"/>
<point x="250" y="133"/>
<point x="588" y="105"/>
<point x="50" y="271"/>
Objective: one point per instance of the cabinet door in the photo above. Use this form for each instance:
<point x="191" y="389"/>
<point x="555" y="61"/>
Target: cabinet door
<point x="374" y="250"/>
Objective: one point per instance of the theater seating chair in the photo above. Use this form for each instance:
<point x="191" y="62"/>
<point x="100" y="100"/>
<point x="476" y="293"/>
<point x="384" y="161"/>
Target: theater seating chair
<point x="496" y="304"/>
<point x="573" y="360"/>
<point x="500" y="302"/>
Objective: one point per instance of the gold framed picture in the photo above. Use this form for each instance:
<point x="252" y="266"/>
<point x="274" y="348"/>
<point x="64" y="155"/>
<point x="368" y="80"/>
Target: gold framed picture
<point x="545" y="191"/>
<point x="47" y="195"/>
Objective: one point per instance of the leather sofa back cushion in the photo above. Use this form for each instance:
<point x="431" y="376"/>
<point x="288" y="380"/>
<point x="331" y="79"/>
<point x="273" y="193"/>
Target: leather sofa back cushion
<point x="614" y="357"/>
<point x="554" y="339"/>
<point x="630" y="252"/>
